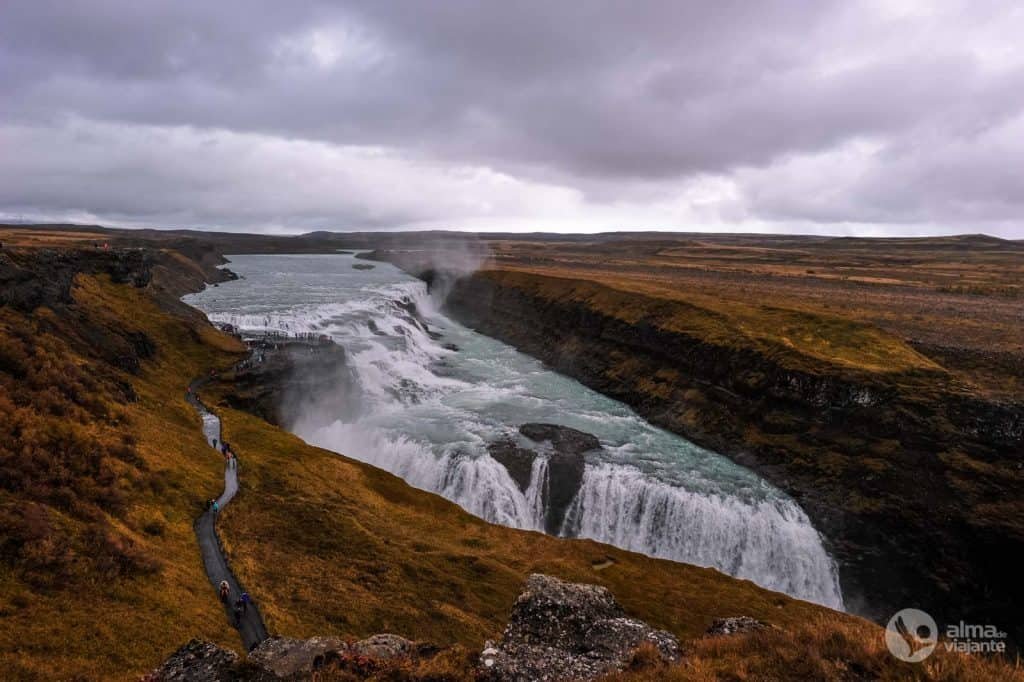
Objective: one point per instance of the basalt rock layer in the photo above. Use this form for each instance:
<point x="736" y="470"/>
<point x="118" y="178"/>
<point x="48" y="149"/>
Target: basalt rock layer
<point x="565" y="465"/>
<point x="44" y="277"/>
<point x="286" y="379"/>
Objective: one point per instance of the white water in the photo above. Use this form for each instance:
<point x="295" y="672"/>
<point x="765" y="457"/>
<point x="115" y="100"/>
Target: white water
<point x="427" y="413"/>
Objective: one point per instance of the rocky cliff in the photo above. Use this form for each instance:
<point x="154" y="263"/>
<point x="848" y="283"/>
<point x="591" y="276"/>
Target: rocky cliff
<point x="566" y="447"/>
<point x="285" y="379"/>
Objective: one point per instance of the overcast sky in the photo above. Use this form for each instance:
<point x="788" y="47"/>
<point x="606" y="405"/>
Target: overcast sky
<point x="882" y="117"/>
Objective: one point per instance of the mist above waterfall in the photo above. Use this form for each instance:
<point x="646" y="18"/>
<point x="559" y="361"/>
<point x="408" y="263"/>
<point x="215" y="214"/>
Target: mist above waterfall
<point x="428" y="396"/>
<point x="440" y="261"/>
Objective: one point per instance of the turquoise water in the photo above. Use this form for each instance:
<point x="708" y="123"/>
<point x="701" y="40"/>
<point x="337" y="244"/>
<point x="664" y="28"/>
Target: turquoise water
<point x="426" y="412"/>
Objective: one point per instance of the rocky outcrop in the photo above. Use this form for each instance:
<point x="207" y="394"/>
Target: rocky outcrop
<point x="31" y="278"/>
<point x="565" y="441"/>
<point x="517" y="461"/>
<point x="568" y="631"/>
<point x="565" y="448"/>
<point x="284" y="658"/>
<point x="197" y="661"/>
<point x="288" y="378"/>
<point x="735" y="625"/>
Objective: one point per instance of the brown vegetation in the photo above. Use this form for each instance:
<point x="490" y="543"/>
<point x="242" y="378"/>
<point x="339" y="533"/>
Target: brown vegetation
<point x="101" y="473"/>
<point x="820" y="649"/>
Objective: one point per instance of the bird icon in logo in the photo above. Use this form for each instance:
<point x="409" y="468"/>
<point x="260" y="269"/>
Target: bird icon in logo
<point x="911" y="635"/>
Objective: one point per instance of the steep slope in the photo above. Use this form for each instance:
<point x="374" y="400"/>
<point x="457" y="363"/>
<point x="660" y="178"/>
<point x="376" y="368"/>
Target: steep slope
<point x="102" y="468"/>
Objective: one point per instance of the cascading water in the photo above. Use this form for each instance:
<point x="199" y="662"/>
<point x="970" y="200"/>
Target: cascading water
<point x="431" y="395"/>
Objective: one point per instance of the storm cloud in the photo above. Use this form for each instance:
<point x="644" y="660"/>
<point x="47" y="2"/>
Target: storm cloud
<point x="832" y="117"/>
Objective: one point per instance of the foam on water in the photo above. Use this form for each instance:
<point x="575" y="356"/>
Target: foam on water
<point x="427" y="414"/>
<point x="769" y="542"/>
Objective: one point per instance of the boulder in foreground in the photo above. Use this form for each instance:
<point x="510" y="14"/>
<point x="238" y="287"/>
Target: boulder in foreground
<point x="284" y="658"/>
<point x="568" y="631"/>
<point x="197" y="661"/>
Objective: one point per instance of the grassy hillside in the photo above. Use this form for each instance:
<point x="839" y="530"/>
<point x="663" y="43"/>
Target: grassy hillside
<point x="102" y="471"/>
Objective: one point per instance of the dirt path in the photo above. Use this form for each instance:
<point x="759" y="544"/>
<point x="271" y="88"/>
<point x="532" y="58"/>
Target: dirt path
<point x="251" y="627"/>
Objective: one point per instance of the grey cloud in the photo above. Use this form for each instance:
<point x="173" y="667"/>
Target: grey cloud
<point x="611" y="100"/>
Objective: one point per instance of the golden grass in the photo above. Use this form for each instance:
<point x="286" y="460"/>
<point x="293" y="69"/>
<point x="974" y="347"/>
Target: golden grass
<point x="960" y="298"/>
<point x="42" y="238"/>
<point x="794" y="337"/>
<point x="823" y="648"/>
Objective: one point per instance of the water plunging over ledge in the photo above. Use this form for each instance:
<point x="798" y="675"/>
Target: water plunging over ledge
<point x="428" y="399"/>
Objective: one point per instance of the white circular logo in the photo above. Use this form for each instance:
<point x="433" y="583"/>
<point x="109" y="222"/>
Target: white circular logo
<point x="911" y="635"/>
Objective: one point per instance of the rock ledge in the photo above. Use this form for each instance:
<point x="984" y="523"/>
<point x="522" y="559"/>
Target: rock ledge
<point x="568" y="631"/>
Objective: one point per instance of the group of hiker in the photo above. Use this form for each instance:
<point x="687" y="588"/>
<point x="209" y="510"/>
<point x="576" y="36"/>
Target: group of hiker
<point x="241" y="605"/>
<point x="230" y="458"/>
<point x="231" y="462"/>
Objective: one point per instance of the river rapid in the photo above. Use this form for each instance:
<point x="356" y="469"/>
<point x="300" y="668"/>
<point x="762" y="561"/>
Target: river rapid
<point x="426" y="402"/>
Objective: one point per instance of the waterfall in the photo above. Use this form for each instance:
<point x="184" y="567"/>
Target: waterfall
<point x="480" y="485"/>
<point x="537" y="492"/>
<point x="428" y="413"/>
<point x="770" y="542"/>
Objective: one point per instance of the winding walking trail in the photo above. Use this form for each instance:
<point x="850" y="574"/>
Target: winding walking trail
<point x="251" y="627"/>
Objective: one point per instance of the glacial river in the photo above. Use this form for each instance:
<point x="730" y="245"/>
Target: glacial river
<point x="425" y="406"/>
